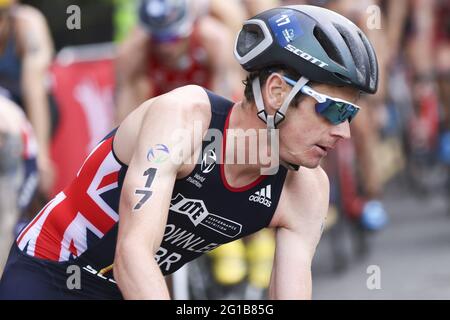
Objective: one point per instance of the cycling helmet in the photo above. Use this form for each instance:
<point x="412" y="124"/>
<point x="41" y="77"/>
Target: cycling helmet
<point x="319" y="44"/>
<point x="166" y="20"/>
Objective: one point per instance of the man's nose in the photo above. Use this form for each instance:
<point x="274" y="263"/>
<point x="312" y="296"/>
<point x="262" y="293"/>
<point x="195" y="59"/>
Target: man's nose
<point x="342" y="130"/>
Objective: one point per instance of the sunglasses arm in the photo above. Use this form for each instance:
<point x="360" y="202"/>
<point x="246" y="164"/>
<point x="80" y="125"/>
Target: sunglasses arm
<point x="273" y="121"/>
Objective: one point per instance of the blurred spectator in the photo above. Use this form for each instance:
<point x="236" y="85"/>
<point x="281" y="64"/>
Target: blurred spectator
<point x="442" y="61"/>
<point x="18" y="176"/>
<point x="231" y="13"/>
<point x="26" y="52"/>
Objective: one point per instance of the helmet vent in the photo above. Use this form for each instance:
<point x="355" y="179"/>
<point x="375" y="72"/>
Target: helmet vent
<point x="250" y="36"/>
<point x="353" y="47"/>
<point x="372" y="60"/>
<point x="328" y="46"/>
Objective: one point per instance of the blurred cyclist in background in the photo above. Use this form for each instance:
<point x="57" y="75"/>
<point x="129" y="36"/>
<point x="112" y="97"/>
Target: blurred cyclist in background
<point x="174" y="44"/>
<point x="422" y="29"/>
<point x="231" y="13"/>
<point x="422" y="131"/>
<point x="442" y="67"/>
<point x="26" y="51"/>
<point x="18" y="170"/>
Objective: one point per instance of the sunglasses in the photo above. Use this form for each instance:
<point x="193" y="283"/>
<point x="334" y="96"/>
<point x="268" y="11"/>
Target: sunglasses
<point x="334" y="110"/>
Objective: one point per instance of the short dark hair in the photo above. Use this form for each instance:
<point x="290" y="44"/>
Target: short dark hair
<point x="263" y="75"/>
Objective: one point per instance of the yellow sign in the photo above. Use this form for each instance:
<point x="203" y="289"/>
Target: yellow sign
<point x="5" y="3"/>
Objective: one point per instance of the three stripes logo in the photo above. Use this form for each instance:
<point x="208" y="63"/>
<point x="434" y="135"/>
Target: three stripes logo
<point x="262" y="196"/>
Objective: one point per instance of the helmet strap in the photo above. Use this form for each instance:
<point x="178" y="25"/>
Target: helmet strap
<point x="256" y="86"/>
<point x="273" y="121"/>
<point x="298" y="86"/>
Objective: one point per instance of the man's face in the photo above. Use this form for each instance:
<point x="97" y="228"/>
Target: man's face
<point x="306" y="136"/>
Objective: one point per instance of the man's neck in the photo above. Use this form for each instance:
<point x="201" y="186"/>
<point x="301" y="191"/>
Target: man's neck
<point x="243" y="120"/>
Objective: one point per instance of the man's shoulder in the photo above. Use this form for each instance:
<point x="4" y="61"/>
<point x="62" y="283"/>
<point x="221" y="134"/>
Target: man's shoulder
<point x="307" y="185"/>
<point x="28" y="13"/>
<point x="179" y="109"/>
<point x="191" y="102"/>
<point x="314" y="178"/>
<point x="304" y="191"/>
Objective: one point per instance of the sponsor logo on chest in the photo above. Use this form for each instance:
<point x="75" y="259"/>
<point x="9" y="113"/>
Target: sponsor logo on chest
<point x="263" y="196"/>
<point x="199" y="215"/>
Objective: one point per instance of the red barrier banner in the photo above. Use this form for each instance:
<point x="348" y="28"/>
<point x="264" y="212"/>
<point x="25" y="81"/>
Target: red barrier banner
<point x="84" y="96"/>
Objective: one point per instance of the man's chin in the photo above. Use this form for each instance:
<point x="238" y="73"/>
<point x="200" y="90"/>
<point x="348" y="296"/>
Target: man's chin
<point x="311" y="164"/>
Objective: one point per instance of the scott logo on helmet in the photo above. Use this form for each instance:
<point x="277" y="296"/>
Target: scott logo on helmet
<point x="305" y="56"/>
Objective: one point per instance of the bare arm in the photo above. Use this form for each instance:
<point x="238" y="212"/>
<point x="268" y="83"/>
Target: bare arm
<point x="299" y="220"/>
<point x="37" y="55"/>
<point x="226" y="72"/>
<point x="255" y="7"/>
<point x="145" y="201"/>
<point x="131" y="77"/>
<point x="231" y="13"/>
<point x="396" y="15"/>
<point x="421" y="46"/>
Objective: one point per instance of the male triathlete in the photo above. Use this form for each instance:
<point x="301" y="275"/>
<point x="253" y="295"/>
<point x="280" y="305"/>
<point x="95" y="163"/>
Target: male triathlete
<point x="307" y="68"/>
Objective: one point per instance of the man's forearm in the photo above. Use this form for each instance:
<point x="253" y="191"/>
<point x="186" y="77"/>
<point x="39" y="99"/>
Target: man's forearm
<point x="291" y="276"/>
<point x="139" y="277"/>
<point x="291" y="289"/>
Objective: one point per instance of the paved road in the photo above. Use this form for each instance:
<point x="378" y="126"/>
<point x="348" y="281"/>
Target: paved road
<point x="413" y="254"/>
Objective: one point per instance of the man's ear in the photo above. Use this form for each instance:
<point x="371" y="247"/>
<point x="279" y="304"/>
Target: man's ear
<point x="275" y="91"/>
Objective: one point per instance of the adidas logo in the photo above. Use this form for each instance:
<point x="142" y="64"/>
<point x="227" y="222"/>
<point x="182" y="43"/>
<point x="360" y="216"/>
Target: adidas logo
<point x="263" y="196"/>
